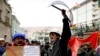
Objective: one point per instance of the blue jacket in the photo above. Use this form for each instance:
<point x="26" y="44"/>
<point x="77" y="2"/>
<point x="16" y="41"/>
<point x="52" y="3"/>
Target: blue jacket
<point x="2" y="50"/>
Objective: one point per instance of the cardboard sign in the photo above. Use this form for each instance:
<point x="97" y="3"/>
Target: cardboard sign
<point x="23" y="51"/>
<point x="31" y="51"/>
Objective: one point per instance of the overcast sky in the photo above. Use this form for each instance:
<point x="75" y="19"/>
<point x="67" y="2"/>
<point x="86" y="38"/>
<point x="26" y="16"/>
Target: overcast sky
<point x="33" y="13"/>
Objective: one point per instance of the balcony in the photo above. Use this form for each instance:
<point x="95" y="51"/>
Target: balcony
<point x="84" y="28"/>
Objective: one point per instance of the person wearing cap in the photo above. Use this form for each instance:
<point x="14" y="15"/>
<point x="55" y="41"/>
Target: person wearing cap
<point x="44" y="49"/>
<point x="2" y="46"/>
<point x="35" y="43"/>
<point x="27" y="41"/>
<point x="90" y="51"/>
<point x="18" y="39"/>
<point x="59" y="43"/>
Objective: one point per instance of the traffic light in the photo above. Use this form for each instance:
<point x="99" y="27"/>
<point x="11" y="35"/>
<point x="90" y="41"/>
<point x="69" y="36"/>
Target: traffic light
<point x="94" y="0"/>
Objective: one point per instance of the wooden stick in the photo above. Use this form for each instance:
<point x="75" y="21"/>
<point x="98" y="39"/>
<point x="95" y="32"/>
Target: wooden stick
<point x="56" y="7"/>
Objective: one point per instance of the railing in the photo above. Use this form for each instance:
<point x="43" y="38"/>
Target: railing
<point x="89" y="26"/>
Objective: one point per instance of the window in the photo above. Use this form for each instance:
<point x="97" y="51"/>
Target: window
<point x="7" y="20"/>
<point x="0" y="11"/>
<point x="46" y="33"/>
<point x="7" y="12"/>
<point x="7" y="17"/>
<point x="40" y="38"/>
<point x="93" y="5"/>
<point x="94" y="15"/>
<point x="5" y="37"/>
<point x="46" y="39"/>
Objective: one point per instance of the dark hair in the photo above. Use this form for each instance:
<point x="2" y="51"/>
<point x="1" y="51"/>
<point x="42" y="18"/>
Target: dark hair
<point x="27" y="40"/>
<point x="46" y="42"/>
<point x="54" y="33"/>
<point x="33" y="41"/>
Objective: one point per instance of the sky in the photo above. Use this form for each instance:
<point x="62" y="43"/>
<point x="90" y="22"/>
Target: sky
<point x="39" y="13"/>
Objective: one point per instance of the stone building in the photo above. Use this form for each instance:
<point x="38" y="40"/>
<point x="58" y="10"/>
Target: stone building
<point x="5" y="20"/>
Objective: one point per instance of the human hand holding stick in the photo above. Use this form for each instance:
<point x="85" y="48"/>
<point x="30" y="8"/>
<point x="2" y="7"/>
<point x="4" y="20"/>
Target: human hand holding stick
<point x="63" y="12"/>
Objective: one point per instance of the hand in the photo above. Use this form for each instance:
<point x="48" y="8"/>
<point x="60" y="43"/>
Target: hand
<point x="63" y="12"/>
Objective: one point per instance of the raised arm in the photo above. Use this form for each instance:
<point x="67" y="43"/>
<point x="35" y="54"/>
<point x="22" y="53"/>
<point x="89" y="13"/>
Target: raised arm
<point x="66" y="33"/>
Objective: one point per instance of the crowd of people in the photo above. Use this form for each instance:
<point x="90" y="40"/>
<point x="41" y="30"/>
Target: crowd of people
<point x="58" y="45"/>
<point x="19" y="40"/>
<point x="86" y="50"/>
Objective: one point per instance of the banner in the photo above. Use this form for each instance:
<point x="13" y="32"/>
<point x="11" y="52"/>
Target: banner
<point x="23" y="51"/>
<point x="75" y="42"/>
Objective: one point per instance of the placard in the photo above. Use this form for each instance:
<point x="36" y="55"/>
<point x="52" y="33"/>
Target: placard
<point x="23" y="51"/>
<point x="31" y="51"/>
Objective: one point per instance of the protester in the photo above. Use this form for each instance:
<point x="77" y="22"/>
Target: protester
<point x="2" y="46"/>
<point x="44" y="49"/>
<point x="98" y="50"/>
<point x="90" y="50"/>
<point x="69" y="52"/>
<point x="19" y="39"/>
<point x="35" y="43"/>
<point x="58" y="46"/>
<point x="87" y="50"/>
<point x="27" y="41"/>
<point x="81" y="51"/>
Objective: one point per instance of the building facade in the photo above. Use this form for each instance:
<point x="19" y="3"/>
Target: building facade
<point x="15" y="25"/>
<point x="86" y="16"/>
<point x="5" y="20"/>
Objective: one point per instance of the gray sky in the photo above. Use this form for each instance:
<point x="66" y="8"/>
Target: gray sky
<point x="32" y="13"/>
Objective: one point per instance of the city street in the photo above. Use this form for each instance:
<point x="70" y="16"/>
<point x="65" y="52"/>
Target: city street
<point x="50" y="28"/>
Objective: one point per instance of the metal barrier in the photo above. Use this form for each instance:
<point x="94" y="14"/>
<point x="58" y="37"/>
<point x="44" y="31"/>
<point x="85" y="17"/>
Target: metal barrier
<point x="89" y="26"/>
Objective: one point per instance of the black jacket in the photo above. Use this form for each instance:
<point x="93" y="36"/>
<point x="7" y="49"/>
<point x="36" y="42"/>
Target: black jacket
<point x="60" y="46"/>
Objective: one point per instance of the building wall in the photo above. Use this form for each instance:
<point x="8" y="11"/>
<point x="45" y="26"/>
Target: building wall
<point x="5" y="31"/>
<point x="15" y="25"/>
<point x="86" y="17"/>
<point x="5" y="21"/>
<point x="84" y="13"/>
<point x="5" y="9"/>
<point x="21" y="30"/>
